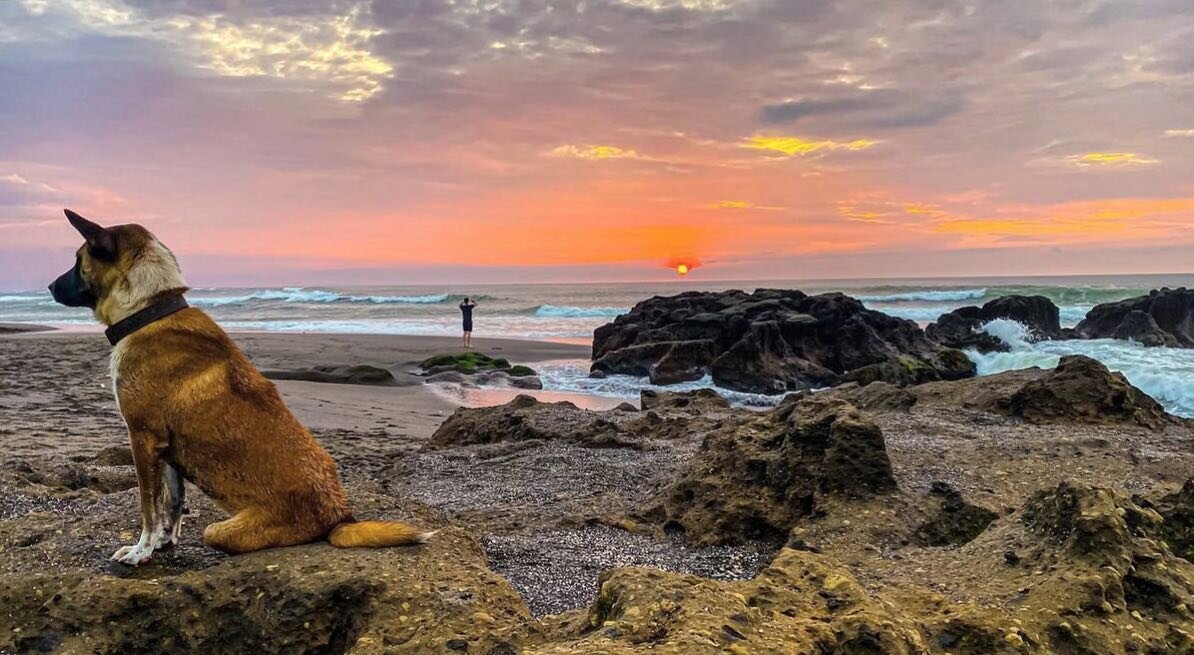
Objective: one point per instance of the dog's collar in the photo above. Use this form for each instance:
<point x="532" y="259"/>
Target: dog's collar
<point x="150" y="314"/>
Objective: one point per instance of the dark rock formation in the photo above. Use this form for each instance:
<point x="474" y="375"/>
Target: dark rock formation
<point x="359" y="374"/>
<point x="962" y="328"/>
<point x="1164" y="317"/>
<point x="770" y="341"/>
<point x="756" y="479"/>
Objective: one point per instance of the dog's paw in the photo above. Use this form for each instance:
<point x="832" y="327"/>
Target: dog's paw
<point x="133" y="555"/>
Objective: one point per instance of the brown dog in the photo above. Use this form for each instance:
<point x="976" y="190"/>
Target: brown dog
<point x="196" y="409"/>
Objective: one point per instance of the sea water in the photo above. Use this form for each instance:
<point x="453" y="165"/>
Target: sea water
<point x="570" y="312"/>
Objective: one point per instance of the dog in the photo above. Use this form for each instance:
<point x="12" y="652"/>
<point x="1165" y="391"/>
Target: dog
<point x="197" y="410"/>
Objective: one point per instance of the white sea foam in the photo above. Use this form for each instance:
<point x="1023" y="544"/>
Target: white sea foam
<point x="1163" y="373"/>
<point x="578" y="312"/>
<point x="941" y="295"/>
<point x="572" y="376"/>
<point x="303" y="295"/>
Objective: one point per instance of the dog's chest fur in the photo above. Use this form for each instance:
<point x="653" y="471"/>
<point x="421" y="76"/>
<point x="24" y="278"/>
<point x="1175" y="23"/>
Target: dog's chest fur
<point x="115" y="360"/>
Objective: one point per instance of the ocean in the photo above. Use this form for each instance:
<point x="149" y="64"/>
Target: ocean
<point x="570" y="312"/>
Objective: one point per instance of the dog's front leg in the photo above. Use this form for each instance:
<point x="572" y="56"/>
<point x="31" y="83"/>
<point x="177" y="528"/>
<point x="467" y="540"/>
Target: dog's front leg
<point x="147" y="456"/>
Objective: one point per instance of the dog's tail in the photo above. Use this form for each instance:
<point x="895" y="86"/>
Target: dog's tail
<point x="376" y="534"/>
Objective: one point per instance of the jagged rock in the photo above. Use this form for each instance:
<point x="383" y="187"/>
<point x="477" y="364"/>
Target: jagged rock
<point x="305" y="599"/>
<point x="874" y="396"/>
<point x="1081" y="389"/>
<point x="757" y="478"/>
<point x="699" y="400"/>
<point x="1171" y="312"/>
<point x="1142" y="328"/>
<point x="526" y="382"/>
<point x="962" y="327"/>
<point x="524" y="419"/>
<point x="358" y="374"/>
<point x="770" y="341"/>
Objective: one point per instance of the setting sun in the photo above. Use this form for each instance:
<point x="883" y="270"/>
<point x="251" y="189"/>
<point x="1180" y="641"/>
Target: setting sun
<point x="682" y="269"/>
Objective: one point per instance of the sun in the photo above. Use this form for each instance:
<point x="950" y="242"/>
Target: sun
<point x="682" y="269"/>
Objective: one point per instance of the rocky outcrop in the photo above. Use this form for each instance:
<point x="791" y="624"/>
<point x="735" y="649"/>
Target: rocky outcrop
<point x="478" y="369"/>
<point x="963" y="327"/>
<point x="1082" y="390"/>
<point x="1165" y="317"/>
<point x="358" y="374"/>
<point x="756" y="479"/>
<point x="309" y="599"/>
<point x="526" y="419"/>
<point x="1177" y="510"/>
<point x="770" y="341"/>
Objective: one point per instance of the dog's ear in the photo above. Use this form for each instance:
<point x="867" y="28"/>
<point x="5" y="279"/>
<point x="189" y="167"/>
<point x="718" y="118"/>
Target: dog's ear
<point x="101" y="240"/>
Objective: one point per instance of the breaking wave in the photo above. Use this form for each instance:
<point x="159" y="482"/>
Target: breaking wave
<point x="941" y="295"/>
<point x="578" y="312"/>
<point x="304" y="295"/>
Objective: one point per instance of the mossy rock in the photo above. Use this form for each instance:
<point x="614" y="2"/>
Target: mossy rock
<point x="520" y="371"/>
<point x="471" y="362"/>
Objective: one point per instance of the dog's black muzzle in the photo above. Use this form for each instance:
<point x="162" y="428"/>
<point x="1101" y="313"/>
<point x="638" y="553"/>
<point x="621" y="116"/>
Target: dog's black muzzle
<point x="71" y="290"/>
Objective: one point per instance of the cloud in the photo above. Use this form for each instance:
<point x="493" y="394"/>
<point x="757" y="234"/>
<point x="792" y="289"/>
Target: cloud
<point x="331" y="50"/>
<point x="1189" y="134"/>
<point x="593" y="152"/>
<point x="793" y="146"/>
<point x="883" y="108"/>
<point x="1110" y="160"/>
<point x="742" y="204"/>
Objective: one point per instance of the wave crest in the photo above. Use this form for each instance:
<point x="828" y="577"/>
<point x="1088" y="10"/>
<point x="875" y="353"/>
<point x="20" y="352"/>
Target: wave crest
<point x="304" y="295"/>
<point x="556" y="311"/>
<point x="942" y="295"/>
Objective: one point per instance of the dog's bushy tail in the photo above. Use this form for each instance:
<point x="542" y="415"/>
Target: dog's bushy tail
<point x="376" y="534"/>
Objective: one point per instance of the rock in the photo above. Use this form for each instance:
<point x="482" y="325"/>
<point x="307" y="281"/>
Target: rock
<point x="598" y="375"/>
<point x="1143" y="329"/>
<point x="1081" y="389"/>
<point x="448" y="377"/>
<point x="115" y="456"/>
<point x="304" y="599"/>
<point x="1171" y="312"/>
<point x="954" y="522"/>
<point x="526" y="382"/>
<point x="1177" y="511"/>
<point x="699" y="400"/>
<point x="879" y="396"/>
<point x="526" y="419"/>
<point x="684" y="361"/>
<point x="357" y="374"/>
<point x="626" y="407"/>
<point x="962" y="327"/>
<point x="466" y="362"/>
<point x="771" y="341"/>
<point x="756" y="479"/>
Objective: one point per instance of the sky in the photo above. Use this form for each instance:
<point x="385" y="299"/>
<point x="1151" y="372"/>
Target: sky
<point x="443" y="141"/>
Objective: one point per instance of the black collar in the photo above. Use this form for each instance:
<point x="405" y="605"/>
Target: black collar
<point x="150" y="314"/>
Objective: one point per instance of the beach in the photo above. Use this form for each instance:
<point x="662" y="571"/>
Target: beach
<point x="531" y="524"/>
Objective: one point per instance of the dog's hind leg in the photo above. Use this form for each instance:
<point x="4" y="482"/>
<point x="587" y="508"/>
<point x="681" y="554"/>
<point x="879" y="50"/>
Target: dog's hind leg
<point x="251" y="529"/>
<point x="170" y="505"/>
<point x="147" y="456"/>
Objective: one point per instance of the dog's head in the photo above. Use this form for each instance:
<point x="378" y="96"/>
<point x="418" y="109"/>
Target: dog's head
<point x="118" y="270"/>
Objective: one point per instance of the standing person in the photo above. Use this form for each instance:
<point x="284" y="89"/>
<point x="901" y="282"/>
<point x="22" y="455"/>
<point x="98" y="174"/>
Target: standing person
<point x="466" y="311"/>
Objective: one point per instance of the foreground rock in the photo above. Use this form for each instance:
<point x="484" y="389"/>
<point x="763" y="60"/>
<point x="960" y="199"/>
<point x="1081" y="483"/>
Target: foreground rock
<point x="308" y="599"/>
<point x="963" y="327"/>
<point x="757" y="479"/>
<point x="1164" y="317"/>
<point x="770" y="341"/>
<point x="1081" y="390"/>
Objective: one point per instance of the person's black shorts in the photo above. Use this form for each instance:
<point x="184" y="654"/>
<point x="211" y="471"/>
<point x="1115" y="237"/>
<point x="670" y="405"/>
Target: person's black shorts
<point x="468" y="326"/>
